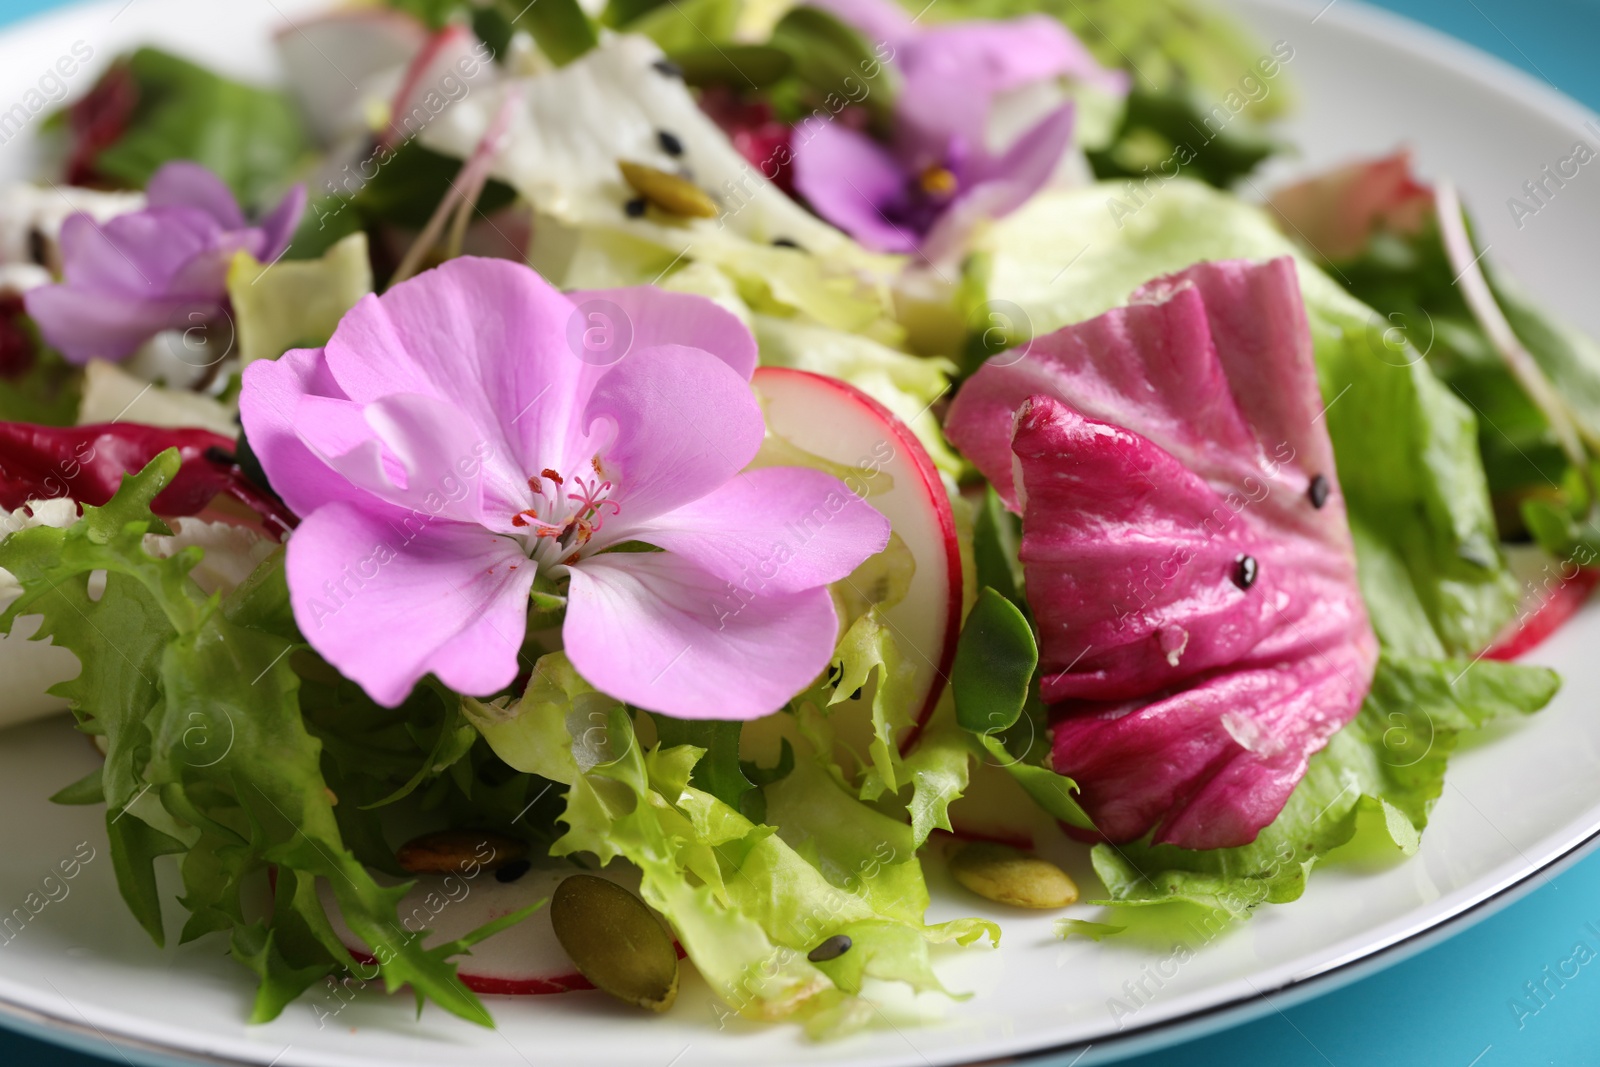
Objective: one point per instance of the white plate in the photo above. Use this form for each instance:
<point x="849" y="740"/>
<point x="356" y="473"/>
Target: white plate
<point x="1515" y="807"/>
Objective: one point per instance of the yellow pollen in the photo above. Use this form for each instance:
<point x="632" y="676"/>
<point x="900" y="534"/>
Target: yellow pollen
<point x="937" y="181"/>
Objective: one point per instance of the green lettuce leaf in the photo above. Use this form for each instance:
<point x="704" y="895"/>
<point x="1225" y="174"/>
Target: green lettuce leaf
<point x="747" y="901"/>
<point x="939" y="769"/>
<point x="1371" y="788"/>
<point x="296" y="303"/>
<point x="248" y="136"/>
<point x="867" y="665"/>
<point x="208" y="753"/>
<point x="1411" y="283"/>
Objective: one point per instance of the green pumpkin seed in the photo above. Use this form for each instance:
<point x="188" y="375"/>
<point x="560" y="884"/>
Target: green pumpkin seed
<point x="670" y="193"/>
<point x="615" y="941"/>
<point x="459" y="852"/>
<point x="1010" y="876"/>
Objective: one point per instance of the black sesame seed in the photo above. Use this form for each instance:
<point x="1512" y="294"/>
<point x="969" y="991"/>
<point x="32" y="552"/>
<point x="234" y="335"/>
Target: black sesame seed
<point x="38" y="247"/>
<point x="635" y="207"/>
<point x="1318" y="491"/>
<point x="785" y="242"/>
<point x="831" y="949"/>
<point x="1245" y="571"/>
<point x="512" y="871"/>
<point x="669" y="143"/>
<point x="668" y="68"/>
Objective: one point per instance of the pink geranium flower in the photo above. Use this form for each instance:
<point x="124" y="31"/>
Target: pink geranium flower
<point x="473" y="431"/>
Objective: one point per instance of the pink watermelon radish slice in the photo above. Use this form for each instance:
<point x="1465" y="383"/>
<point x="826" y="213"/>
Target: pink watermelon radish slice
<point x="1185" y="547"/>
<point x="837" y="422"/>
<point x="525" y="960"/>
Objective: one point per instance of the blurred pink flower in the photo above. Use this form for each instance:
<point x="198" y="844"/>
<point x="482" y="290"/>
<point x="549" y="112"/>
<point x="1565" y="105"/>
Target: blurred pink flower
<point x="938" y="176"/>
<point x="128" y="279"/>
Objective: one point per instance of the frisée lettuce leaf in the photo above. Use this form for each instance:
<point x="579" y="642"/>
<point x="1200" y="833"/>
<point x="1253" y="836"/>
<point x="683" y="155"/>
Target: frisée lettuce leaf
<point x="207" y="752"/>
<point x="747" y="901"/>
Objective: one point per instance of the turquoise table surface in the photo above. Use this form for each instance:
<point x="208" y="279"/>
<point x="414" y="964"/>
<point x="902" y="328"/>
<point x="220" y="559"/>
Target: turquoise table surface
<point x="1461" y="1003"/>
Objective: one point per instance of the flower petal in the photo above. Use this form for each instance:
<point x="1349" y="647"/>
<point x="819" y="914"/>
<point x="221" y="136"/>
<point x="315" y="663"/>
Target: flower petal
<point x="278" y="227"/>
<point x="137" y="254"/>
<point x="658" y="317"/>
<point x="272" y="403"/>
<point x="772" y="530"/>
<point x="997" y="187"/>
<point x="653" y="629"/>
<point x="489" y="336"/>
<point x="387" y="603"/>
<point x="848" y="178"/>
<point x="85" y="325"/>
<point x="684" y="423"/>
<point x="444" y="463"/>
<point x="182" y="183"/>
<point x="954" y="71"/>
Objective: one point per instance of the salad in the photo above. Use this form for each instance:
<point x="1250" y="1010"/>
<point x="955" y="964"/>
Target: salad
<point x="552" y="496"/>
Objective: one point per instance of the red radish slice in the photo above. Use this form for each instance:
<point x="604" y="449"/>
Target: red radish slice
<point x="1532" y="627"/>
<point x="995" y="808"/>
<point x="839" y="423"/>
<point x="525" y="960"/>
<point x="338" y="62"/>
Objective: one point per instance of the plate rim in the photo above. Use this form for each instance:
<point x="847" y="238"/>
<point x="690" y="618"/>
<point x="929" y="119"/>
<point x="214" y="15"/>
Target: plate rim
<point x="1357" y="17"/>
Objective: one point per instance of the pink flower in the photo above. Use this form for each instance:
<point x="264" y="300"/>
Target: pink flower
<point x="938" y="176"/>
<point x="474" y="431"/>
<point x="164" y="267"/>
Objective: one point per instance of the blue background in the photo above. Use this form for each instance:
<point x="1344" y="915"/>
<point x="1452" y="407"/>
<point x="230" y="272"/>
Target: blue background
<point x="1452" y="1004"/>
